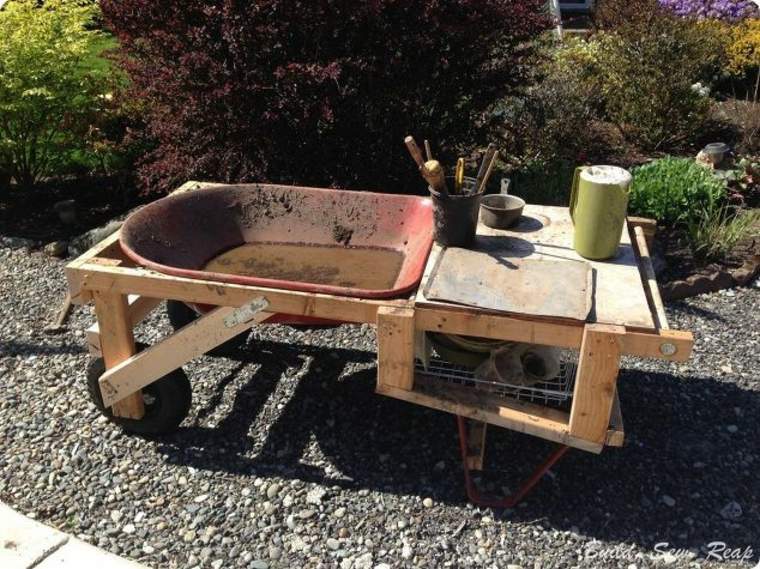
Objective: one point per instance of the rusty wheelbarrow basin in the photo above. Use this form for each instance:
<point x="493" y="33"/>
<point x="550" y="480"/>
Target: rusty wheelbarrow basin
<point x="348" y="243"/>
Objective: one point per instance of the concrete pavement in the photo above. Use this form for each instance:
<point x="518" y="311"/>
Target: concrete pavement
<point x="25" y="543"/>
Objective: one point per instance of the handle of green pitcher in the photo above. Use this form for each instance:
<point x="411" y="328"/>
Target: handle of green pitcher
<point x="574" y="191"/>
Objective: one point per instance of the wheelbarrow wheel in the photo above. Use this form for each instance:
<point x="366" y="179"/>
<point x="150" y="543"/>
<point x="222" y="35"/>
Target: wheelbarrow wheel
<point x="167" y="401"/>
<point x="180" y="315"/>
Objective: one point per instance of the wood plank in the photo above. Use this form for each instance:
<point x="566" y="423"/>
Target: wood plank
<point x="139" y="308"/>
<point x="535" y="420"/>
<point x="651" y="288"/>
<point x="117" y="345"/>
<point x="73" y="274"/>
<point x="670" y="345"/>
<point x="595" y="382"/>
<point x="193" y="340"/>
<point x="616" y="432"/>
<point x="460" y="320"/>
<point x="395" y="347"/>
<point x="152" y="284"/>
<point x="649" y="226"/>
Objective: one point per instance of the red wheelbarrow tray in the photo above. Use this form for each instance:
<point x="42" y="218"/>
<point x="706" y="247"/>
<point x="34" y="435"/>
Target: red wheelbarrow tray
<point x="178" y="235"/>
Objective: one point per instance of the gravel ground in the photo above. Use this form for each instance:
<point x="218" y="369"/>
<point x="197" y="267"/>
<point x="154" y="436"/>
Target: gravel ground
<point x="288" y="458"/>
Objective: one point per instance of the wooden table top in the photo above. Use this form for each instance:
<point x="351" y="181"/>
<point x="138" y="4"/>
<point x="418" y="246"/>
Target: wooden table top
<point x="546" y="233"/>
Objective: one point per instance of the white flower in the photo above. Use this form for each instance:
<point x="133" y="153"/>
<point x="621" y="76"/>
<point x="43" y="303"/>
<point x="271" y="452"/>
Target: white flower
<point x="702" y="90"/>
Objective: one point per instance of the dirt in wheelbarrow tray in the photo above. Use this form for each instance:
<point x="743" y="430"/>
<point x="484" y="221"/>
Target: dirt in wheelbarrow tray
<point x="289" y="458"/>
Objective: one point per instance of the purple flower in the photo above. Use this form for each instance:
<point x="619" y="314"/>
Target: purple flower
<point x="728" y="10"/>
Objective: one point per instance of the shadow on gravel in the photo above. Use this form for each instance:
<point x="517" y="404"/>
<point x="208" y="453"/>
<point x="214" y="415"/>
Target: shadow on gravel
<point x="704" y="313"/>
<point x="15" y="347"/>
<point x="693" y="439"/>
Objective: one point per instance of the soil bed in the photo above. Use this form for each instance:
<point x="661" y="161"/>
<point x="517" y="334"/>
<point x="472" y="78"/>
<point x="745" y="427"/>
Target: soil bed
<point x="31" y="214"/>
<point x="681" y="275"/>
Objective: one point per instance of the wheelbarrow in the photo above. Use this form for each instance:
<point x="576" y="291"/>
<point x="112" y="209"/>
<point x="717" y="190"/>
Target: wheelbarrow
<point x="238" y="256"/>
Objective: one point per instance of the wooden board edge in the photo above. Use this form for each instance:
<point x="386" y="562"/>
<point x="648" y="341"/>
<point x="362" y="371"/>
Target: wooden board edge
<point x="143" y="282"/>
<point x="616" y="431"/>
<point x="509" y="418"/>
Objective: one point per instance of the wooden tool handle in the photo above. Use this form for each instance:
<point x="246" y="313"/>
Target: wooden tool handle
<point x="414" y="150"/>
<point x="487" y="156"/>
<point x="432" y="171"/>
<point x="479" y="188"/>
<point x="428" y="150"/>
<point x="459" y="176"/>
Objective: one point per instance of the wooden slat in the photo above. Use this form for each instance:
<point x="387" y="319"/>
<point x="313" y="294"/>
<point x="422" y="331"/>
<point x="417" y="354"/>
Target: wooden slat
<point x="595" y="382"/>
<point x="193" y="340"/>
<point x="616" y="432"/>
<point x="395" y="347"/>
<point x="670" y="345"/>
<point x="139" y="308"/>
<point x="118" y="345"/>
<point x="536" y="420"/>
<point x="651" y="288"/>
<point x="454" y="320"/>
<point x="157" y="285"/>
<point x="74" y="276"/>
<point x="649" y="226"/>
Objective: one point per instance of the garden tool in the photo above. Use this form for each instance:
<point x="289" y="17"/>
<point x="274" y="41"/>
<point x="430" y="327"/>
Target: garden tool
<point x="459" y="176"/>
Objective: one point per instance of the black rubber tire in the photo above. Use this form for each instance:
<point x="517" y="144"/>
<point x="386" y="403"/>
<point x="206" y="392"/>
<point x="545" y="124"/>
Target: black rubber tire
<point x="180" y="315"/>
<point x="167" y="401"/>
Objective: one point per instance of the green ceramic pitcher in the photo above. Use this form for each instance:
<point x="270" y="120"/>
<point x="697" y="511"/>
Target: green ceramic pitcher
<point x="598" y="206"/>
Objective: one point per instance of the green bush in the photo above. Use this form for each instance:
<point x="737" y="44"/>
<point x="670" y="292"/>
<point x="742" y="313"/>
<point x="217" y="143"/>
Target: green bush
<point x="651" y="83"/>
<point x="674" y="190"/>
<point x="543" y="182"/>
<point x="658" y="70"/>
<point x="550" y="120"/>
<point x="51" y="92"/>
<point x="714" y="232"/>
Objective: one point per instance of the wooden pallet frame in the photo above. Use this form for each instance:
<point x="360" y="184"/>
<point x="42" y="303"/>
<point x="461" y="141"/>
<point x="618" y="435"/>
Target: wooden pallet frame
<point x="124" y="294"/>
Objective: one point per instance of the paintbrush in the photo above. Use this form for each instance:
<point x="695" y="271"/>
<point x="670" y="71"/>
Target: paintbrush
<point x="489" y="170"/>
<point x="484" y="165"/>
<point x="433" y="173"/>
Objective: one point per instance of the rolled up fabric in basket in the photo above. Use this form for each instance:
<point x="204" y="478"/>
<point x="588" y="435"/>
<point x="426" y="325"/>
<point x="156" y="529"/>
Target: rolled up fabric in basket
<point x="520" y="364"/>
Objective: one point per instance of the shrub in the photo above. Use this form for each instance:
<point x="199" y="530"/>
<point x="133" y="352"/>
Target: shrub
<point x="544" y="182"/>
<point x="714" y="232"/>
<point x="315" y="92"/>
<point x="551" y="119"/>
<point x="674" y="190"/>
<point x="650" y="80"/>
<point x="743" y="52"/>
<point x="48" y="99"/>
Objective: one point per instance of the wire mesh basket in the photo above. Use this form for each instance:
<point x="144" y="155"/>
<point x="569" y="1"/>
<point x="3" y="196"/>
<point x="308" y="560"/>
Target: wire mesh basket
<point x="554" y="392"/>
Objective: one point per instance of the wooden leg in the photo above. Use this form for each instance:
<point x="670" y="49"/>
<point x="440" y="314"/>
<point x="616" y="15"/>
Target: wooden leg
<point x="595" y="382"/>
<point x="117" y="344"/>
<point x="476" y="443"/>
<point x="395" y="347"/>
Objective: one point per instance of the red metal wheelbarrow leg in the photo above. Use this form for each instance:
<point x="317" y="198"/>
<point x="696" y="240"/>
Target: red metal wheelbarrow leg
<point x="474" y="495"/>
